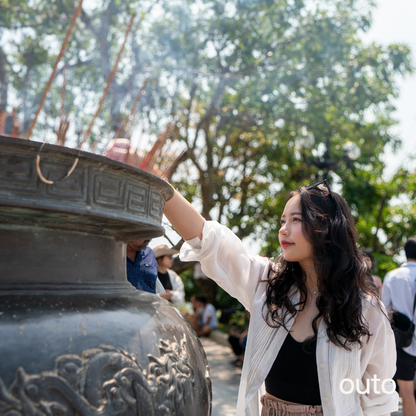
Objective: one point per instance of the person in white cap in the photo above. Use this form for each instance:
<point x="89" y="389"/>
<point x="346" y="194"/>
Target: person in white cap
<point x="174" y="290"/>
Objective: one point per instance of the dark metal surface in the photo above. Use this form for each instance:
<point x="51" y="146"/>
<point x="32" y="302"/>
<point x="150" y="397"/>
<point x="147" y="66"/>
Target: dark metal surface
<point x="76" y="339"/>
<point x="48" y="256"/>
<point x="102" y="354"/>
<point x="101" y="196"/>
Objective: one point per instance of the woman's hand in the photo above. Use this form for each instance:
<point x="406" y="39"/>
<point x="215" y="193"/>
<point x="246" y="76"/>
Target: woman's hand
<point x="167" y="295"/>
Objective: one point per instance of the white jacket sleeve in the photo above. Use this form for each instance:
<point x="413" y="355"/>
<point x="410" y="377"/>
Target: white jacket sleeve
<point x="178" y="291"/>
<point x="378" y="364"/>
<point x="225" y="260"/>
<point x="159" y="287"/>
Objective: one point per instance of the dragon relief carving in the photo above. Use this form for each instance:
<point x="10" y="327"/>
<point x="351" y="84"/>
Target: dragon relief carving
<point x="104" y="381"/>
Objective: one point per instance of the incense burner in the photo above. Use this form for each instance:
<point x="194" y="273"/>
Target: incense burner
<point x="76" y="337"/>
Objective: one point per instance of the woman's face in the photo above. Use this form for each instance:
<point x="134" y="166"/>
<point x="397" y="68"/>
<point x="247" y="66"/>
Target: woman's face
<point x="167" y="261"/>
<point x="296" y="248"/>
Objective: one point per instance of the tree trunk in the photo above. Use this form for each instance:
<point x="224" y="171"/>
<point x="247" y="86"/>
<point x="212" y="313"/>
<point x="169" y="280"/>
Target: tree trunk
<point x="208" y="289"/>
<point x="180" y="266"/>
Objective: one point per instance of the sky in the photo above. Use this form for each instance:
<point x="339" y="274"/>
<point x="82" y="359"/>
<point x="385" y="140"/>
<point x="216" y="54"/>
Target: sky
<point x="394" y="21"/>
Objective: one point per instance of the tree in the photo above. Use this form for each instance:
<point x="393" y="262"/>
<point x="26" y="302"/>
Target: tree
<point x="260" y="77"/>
<point x="247" y="84"/>
<point x="279" y="76"/>
<point x="387" y="218"/>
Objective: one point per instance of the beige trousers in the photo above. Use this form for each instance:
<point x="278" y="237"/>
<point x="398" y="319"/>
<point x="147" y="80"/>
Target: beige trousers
<point x="276" y="408"/>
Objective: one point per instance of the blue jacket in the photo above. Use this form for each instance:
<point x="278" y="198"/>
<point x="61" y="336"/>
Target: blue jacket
<point x="142" y="273"/>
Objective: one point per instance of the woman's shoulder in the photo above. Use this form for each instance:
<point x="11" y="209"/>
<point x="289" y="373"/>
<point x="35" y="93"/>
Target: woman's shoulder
<point x="371" y="301"/>
<point x="172" y="273"/>
<point x="275" y="266"/>
<point x="373" y="309"/>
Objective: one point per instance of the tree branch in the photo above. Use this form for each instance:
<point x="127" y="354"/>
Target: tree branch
<point x="192" y="93"/>
<point x="88" y="23"/>
<point x="380" y="212"/>
<point x="3" y="81"/>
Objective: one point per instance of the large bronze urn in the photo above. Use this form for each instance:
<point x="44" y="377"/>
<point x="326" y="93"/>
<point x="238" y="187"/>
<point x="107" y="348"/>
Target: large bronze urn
<point x="76" y="339"/>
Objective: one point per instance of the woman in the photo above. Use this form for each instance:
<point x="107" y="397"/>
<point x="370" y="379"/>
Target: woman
<point x="369" y="261"/>
<point x="171" y="282"/>
<point x="312" y="306"/>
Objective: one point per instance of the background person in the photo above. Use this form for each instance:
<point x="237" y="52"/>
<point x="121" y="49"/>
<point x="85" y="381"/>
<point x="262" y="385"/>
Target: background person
<point x="193" y="318"/>
<point x="172" y="283"/>
<point x="369" y="259"/>
<point x="315" y="320"/>
<point x="205" y="320"/>
<point x="398" y="295"/>
<point x="141" y="265"/>
<point x="238" y="342"/>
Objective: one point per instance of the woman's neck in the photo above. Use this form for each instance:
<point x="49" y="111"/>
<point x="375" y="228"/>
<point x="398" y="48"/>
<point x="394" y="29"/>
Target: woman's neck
<point x="312" y="287"/>
<point x="162" y="269"/>
<point x="311" y="281"/>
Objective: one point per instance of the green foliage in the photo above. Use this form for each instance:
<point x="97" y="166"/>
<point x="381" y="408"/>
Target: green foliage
<point x="385" y="213"/>
<point x="239" y="318"/>
<point x="191" y="288"/>
<point x="224" y="301"/>
<point x="383" y="263"/>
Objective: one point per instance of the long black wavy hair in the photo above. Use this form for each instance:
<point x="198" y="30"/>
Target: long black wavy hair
<point x="343" y="277"/>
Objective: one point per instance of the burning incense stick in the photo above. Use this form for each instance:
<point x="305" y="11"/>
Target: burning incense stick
<point x="48" y="85"/>
<point x="63" y="117"/>
<point x="109" y="81"/>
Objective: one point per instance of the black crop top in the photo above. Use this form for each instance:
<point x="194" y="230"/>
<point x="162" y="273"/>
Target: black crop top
<point x="294" y="374"/>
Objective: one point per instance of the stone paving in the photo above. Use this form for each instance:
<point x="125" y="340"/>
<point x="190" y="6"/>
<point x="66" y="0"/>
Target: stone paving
<point x="226" y="378"/>
<point x="400" y="412"/>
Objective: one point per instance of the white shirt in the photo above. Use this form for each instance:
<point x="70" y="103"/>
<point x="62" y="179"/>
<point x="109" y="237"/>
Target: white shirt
<point x="399" y="294"/>
<point x="209" y="312"/>
<point x="159" y="287"/>
<point x="178" y="290"/>
<point x="224" y="259"/>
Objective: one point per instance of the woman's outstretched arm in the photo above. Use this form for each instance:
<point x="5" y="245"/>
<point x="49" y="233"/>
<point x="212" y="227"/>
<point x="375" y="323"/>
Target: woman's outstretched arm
<point x="221" y="253"/>
<point x="186" y="220"/>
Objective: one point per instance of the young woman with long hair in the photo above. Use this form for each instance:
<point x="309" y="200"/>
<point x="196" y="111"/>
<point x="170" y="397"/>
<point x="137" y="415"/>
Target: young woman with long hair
<point x="319" y="341"/>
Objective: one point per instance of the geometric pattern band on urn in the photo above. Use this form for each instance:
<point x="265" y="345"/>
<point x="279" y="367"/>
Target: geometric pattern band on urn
<point x="87" y="186"/>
